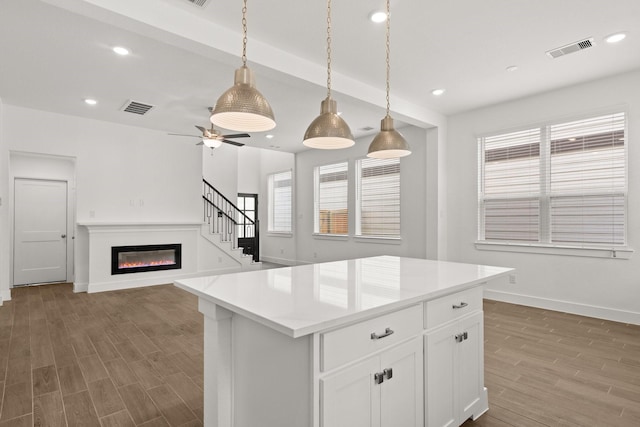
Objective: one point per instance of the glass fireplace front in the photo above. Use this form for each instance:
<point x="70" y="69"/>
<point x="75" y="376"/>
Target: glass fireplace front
<point x="137" y="259"/>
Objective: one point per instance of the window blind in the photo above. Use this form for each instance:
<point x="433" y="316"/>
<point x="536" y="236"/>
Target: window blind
<point x="280" y="202"/>
<point x="510" y="186"/>
<point x="331" y="197"/>
<point x="378" y="196"/>
<point x="588" y="180"/>
<point x="559" y="183"/>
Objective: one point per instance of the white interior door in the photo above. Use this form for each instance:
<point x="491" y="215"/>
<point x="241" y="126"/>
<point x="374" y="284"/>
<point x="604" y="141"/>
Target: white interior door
<point x="40" y="231"/>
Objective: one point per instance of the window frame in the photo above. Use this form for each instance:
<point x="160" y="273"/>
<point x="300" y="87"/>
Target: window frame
<point x="544" y="196"/>
<point x="358" y="205"/>
<point x="271" y="204"/>
<point x="316" y="201"/>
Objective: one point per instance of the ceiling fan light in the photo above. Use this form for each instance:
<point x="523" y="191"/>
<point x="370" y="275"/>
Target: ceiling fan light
<point x="328" y="131"/>
<point x="242" y="107"/>
<point x="211" y="143"/>
<point x="388" y="143"/>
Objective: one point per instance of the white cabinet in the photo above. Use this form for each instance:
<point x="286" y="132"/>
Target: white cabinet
<point x="454" y="365"/>
<point x="380" y="391"/>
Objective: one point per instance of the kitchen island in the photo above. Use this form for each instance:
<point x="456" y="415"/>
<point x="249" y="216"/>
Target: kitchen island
<point x="380" y="341"/>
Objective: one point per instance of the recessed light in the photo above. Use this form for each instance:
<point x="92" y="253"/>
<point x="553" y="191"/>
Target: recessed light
<point x="378" y="16"/>
<point x="269" y="136"/>
<point x="615" y="38"/>
<point x="437" y="92"/>
<point x="123" y="51"/>
<point x="90" y="101"/>
<point x="512" y="68"/>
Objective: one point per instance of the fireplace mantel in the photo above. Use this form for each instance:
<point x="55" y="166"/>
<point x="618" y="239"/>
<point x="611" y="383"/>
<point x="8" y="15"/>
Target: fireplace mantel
<point x="94" y="274"/>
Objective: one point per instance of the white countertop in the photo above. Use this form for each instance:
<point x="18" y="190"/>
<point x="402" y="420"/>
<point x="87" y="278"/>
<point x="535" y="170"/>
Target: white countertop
<point x="305" y="299"/>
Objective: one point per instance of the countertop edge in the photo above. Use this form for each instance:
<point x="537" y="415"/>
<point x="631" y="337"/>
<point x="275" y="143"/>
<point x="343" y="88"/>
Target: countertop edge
<point x="348" y="319"/>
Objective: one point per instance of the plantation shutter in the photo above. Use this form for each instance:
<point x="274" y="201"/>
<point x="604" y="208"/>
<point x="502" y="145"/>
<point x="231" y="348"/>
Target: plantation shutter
<point x="510" y="187"/>
<point x="331" y="199"/>
<point x="378" y="190"/>
<point x="588" y="180"/>
<point x="280" y="186"/>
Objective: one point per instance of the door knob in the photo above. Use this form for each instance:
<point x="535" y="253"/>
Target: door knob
<point x="63" y="236"/>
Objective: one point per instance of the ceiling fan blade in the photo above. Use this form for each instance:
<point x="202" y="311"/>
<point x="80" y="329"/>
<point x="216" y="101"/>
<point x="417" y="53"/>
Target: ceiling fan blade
<point x="237" y="135"/>
<point x="182" y="134"/>
<point x="201" y="129"/>
<point x="237" y="144"/>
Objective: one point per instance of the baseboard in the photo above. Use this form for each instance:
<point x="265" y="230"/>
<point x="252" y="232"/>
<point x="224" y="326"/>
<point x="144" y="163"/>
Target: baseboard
<point x="5" y="295"/>
<point x="80" y="287"/>
<point x="281" y="261"/>
<point x="605" y="313"/>
<point x="140" y="283"/>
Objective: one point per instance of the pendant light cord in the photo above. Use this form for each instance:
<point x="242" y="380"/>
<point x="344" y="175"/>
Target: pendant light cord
<point x="244" y="33"/>
<point x="388" y="50"/>
<point x="328" y="48"/>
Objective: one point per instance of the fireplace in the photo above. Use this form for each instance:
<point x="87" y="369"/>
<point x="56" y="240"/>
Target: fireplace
<point x="138" y="259"/>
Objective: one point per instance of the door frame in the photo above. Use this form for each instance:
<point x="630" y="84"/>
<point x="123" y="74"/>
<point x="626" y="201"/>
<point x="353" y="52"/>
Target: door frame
<point x="43" y="167"/>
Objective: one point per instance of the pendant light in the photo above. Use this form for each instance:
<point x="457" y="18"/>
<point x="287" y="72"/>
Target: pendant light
<point x="388" y="143"/>
<point x="242" y="107"/>
<point x="328" y="131"/>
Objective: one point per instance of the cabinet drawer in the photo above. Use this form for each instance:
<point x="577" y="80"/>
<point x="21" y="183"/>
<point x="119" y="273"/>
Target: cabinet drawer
<point x="342" y="345"/>
<point x="451" y="307"/>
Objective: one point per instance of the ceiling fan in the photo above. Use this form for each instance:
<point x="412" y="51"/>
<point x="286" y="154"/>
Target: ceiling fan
<point x="211" y="138"/>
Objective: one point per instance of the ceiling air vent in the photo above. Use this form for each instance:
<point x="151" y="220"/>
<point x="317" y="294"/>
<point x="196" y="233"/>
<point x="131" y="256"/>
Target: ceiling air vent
<point x="570" y="48"/>
<point x="201" y="3"/>
<point x="135" y="107"/>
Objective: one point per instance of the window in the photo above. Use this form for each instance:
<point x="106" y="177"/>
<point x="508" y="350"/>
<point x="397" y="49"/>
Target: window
<point x="280" y="201"/>
<point x="247" y="205"/>
<point x="378" y="198"/>
<point x="558" y="185"/>
<point x="330" y="198"/>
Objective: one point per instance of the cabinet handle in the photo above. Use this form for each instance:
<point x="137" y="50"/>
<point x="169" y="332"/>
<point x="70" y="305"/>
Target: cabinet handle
<point x="461" y="305"/>
<point x="387" y="332"/>
<point x="388" y="373"/>
<point x="378" y="377"/>
<point x="461" y="337"/>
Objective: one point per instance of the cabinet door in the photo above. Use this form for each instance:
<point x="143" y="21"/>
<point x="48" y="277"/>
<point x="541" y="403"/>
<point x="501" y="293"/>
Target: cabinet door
<point x="350" y="398"/>
<point x="441" y="377"/>
<point x="401" y="402"/>
<point x="471" y="383"/>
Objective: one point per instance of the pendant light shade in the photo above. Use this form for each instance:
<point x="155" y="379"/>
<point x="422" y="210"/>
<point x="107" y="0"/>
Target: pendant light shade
<point x="388" y="143"/>
<point x="242" y="107"/>
<point x="328" y="131"/>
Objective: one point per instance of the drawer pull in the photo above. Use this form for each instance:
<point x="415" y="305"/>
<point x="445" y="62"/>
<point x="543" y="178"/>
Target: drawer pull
<point x="387" y="332"/>
<point x="388" y="373"/>
<point x="378" y="377"/>
<point x="461" y="305"/>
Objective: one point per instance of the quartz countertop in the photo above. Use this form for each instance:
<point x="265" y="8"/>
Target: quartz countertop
<point x="305" y="299"/>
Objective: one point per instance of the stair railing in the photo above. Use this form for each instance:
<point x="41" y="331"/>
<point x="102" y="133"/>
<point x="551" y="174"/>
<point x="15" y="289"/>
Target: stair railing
<point x="225" y="218"/>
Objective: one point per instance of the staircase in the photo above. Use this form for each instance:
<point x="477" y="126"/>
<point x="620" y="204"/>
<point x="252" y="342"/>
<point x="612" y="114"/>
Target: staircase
<point x="223" y="223"/>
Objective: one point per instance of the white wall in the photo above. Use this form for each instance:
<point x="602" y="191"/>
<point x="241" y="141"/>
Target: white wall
<point x="413" y="195"/>
<point x="4" y="214"/>
<point x="220" y="169"/>
<point x="248" y="172"/>
<point x="123" y="173"/>
<point x="593" y="286"/>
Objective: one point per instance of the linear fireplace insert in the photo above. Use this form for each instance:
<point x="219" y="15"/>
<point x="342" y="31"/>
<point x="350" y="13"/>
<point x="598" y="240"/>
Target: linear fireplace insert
<point x="138" y="259"/>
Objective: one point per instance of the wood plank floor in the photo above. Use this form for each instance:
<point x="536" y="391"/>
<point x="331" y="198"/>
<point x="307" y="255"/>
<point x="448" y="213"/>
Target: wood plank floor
<point x="134" y="358"/>
<point x="545" y="368"/>
<point x="124" y="358"/>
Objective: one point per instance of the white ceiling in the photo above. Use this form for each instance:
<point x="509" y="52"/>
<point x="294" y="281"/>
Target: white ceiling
<point x="55" y="53"/>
